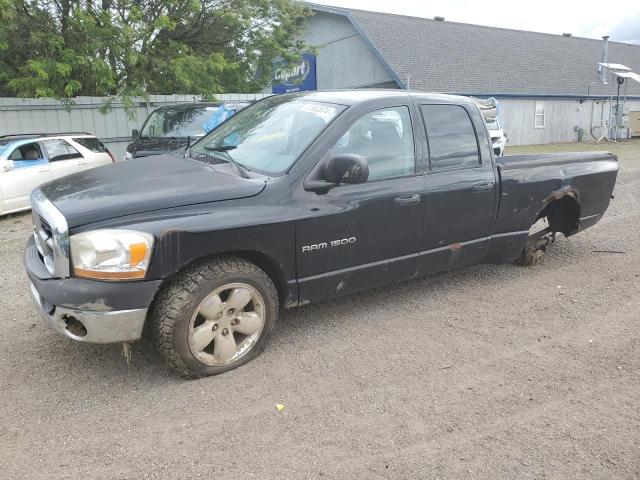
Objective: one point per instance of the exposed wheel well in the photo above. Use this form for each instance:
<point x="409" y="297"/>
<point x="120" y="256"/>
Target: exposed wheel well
<point x="563" y="213"/>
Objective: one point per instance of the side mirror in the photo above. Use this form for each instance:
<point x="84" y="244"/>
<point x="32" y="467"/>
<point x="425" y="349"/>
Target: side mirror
<point x="135" y="134"/>
<point x="347" y="168"/>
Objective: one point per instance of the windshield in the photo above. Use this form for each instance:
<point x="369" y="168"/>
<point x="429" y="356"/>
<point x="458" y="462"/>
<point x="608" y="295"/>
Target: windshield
<point x="178" y="122"/>
<point x="270" y="135"/>
<point x="3" y="147"/>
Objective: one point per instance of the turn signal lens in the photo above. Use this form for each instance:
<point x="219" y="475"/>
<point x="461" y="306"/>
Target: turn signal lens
<point x="111" y="254"/>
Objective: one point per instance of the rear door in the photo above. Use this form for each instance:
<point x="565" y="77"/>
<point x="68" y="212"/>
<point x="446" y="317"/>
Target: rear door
<point x="94" y="152"/>
<point x="462" y="189"/>
<point x="366" y="234"/>
<point x="30" y="169"/>
<point x="63" y="157"/>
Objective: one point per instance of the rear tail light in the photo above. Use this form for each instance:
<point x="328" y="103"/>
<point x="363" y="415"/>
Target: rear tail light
<point x="113" y="160"/>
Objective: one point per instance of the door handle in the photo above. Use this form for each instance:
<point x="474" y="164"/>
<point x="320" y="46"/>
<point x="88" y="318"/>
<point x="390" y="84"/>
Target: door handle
<point x="407" y="199"/>
<point x="44" y="169"/>
<point x="482" y="187"/>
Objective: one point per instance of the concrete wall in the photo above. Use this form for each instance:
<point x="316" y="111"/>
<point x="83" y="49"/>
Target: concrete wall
<point x="517" y="117"/>
<point x="42" y="115"/>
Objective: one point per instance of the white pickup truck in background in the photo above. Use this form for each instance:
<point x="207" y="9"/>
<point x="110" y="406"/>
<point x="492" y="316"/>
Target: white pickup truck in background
<point x="498" y="137"/>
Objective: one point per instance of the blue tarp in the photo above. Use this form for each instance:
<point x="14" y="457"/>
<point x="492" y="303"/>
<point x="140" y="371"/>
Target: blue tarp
<point x="220" y="115"/>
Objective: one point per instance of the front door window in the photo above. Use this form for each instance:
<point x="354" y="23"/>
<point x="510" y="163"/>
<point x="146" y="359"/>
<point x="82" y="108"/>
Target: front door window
<point x="385" y="139"/>
<point x="27" y="155"/>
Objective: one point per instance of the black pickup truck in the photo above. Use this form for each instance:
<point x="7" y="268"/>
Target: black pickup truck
<point x="296" y="199"/>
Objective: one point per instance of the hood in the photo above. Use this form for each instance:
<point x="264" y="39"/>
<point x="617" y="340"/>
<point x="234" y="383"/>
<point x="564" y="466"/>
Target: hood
<point x="153" y="183"/>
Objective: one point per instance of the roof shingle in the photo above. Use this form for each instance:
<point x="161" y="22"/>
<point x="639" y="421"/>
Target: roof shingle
<point x="452" y="57"/>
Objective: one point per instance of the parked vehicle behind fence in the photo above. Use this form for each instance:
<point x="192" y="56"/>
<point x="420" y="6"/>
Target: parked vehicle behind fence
<point x="169" y="128"/>
<point x="27" y="161"/>
<point x="296" y="199"/>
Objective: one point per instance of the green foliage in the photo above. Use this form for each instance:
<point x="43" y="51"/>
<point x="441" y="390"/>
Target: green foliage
<point x="125" y="48"/>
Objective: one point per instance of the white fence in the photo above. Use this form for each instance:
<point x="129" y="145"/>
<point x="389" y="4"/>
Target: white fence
<point x="42" y="115"/>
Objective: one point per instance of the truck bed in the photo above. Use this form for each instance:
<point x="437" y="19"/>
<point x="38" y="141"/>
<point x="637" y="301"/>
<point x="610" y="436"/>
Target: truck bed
<point x="530" y="182"/>
<point x="529" y="160"/>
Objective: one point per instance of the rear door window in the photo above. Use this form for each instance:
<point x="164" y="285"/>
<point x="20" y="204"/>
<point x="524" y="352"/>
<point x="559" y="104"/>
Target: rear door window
<point x="452" y="139"/>
<point x="59" y="150"/>
<point x="91" y="143"/>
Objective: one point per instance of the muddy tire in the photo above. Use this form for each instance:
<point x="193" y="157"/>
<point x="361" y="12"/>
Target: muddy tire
<point x="214" y="316"/>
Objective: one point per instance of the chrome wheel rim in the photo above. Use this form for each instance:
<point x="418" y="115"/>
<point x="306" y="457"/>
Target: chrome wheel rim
<point x="226" y="324"/>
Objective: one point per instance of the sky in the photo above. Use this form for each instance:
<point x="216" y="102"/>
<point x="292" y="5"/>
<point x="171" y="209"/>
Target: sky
<point x="586" y="18"/>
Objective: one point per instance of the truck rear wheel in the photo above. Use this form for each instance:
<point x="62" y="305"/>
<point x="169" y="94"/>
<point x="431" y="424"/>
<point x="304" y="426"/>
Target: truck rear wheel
<point x="214" y="316"/>
<point x="535" y="248"/>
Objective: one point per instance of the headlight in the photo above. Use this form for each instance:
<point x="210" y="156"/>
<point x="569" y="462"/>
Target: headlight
<point x="112" y="254"/>
<point x="128" y="156"/>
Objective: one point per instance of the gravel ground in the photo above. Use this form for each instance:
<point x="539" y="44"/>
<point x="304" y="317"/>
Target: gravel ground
<point x="489" y="372"/>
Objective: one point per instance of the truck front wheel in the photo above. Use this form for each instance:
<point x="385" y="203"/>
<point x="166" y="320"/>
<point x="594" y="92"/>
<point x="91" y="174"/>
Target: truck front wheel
<point x="214" y="316"/>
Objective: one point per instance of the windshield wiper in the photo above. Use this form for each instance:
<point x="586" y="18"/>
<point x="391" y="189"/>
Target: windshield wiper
<point x="221" y="148"/>
<point x="241" y="169"/>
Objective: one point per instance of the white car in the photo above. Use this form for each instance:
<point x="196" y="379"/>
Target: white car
<point x="27" y="161"/>
<point x="498" y="137"/>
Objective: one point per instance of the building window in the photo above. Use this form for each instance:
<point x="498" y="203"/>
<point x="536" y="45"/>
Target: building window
<point x="540" y="115"/>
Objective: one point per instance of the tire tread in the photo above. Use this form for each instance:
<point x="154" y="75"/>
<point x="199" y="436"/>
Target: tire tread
<point x="177" y="295"/>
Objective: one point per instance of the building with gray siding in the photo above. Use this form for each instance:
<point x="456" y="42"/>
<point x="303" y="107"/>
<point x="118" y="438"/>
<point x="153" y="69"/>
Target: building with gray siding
<point x="527" y="72"/>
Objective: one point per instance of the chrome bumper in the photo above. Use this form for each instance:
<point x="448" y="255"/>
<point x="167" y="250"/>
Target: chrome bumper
<point x="92" y="326"/>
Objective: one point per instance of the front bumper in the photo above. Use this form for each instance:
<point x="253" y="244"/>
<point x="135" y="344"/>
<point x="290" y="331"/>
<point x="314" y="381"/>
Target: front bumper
<point x="89" y="310"/>
<point x="92" y="326"/>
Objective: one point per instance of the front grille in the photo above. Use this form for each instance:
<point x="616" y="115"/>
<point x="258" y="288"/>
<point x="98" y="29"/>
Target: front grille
<point x="51" y="235"/>
<point x="43" y="237"/>
<point x="46" y="228"/>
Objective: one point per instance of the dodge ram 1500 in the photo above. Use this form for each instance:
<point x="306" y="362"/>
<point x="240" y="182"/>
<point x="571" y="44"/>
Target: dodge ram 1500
<point x="296" y="199"/>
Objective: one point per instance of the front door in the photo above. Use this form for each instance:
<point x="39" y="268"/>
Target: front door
<point x="462" y="189"/>
<point x="367" y="234"/>
<point x="30" y="169"/>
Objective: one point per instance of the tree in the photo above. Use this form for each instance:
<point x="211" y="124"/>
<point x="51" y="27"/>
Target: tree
<point x="126" y="48"/>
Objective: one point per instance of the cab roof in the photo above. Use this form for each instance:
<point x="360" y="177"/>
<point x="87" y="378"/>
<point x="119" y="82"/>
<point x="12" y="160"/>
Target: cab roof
<point x="353" y="97"/>
<point x="195" y="105"/>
